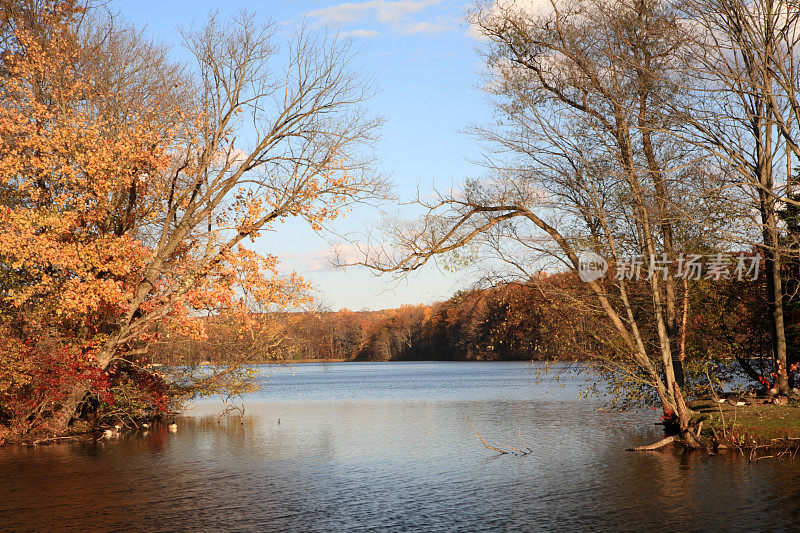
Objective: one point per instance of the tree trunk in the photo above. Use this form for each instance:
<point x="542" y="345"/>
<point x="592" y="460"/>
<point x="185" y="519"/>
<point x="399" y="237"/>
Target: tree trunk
<point x="778" y="331"/>
<point x="772" y="259"/>
<point x="69" y="409"/>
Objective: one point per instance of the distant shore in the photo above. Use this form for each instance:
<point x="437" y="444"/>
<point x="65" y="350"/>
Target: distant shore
<point x="302" y="361"/>
<point x="357" y="360"/>
<point x="279" y="361"/>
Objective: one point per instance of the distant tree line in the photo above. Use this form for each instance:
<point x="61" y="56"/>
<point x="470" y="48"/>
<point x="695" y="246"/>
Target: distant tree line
<point x="268" y="337"/>
<point x="544" y="319"/>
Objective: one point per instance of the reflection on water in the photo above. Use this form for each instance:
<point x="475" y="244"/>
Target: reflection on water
<point x="354" y="450"/>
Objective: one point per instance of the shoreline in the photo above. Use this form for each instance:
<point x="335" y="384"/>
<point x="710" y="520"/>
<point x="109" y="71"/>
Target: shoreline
<point x="355" y="360"/>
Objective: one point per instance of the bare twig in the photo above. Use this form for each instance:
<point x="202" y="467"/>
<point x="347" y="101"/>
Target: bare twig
<point x="510" y="448"/>
<point x="519" y="433"/>
<point x="483" y="441"/>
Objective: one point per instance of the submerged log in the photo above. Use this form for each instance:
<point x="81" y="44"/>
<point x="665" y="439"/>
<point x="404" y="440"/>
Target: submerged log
<point x="655" y="446"/>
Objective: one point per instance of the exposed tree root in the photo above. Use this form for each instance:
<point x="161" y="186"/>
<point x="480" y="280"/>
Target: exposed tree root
<point x="681" y="429"/>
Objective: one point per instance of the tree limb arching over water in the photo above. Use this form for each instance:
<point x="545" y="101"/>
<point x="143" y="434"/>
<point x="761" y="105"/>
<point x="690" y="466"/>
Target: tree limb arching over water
<point x="593" y="151"/>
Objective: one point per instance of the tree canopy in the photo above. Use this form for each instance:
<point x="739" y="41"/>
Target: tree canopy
<point x="130" y="186"/>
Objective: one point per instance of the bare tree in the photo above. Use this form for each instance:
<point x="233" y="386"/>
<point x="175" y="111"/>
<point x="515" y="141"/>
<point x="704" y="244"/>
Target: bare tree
<point x="254" y="142"/>
<point x="586" y="157"/>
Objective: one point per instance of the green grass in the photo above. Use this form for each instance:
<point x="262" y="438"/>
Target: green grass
<point x="761" y="423"/>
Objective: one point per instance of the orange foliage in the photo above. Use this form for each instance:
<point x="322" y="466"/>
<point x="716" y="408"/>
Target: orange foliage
<point x="109" y="222"/>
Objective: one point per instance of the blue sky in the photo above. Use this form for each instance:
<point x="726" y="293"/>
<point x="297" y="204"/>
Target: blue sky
<point x="428" y="72"/>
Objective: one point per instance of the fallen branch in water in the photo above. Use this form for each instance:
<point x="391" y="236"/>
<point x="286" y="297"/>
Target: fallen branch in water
<point x="52" y="439"/>
<point x="518" y="452"/>
<point x="231" y="409"/>
<point x="483" y="441"/>
<point x="519" y="432"/>
<point x="654" y="446"/>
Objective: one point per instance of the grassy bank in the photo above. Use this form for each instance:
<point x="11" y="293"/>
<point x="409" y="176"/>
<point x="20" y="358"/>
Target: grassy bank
<point x="748" y="426"/>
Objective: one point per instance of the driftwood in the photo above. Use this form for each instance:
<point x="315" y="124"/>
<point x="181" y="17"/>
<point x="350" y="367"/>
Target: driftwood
<point x="52" y="439"/>
<point x="503" y="452"/>
<point x="655" y="446"/>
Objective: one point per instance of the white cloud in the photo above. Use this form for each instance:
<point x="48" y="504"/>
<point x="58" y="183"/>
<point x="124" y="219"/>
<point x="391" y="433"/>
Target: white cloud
<point x="395" y="14"/>
<point x="323" y="259"/>
<point x="500" y="8"/>
<point x="384" y="11"/>
<point x="361" y="33"/>
<point x="229" y="154"/>
<point x="426" y="27"/>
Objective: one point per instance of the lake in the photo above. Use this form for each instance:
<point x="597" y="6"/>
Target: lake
<point x="386" y="447"/>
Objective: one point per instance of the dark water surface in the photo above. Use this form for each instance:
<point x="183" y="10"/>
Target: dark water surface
<point x="385" y="447"/>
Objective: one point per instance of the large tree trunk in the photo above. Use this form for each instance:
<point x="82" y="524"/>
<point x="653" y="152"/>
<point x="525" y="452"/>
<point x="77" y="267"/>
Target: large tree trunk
<point x="70" y="409"/>
<point x="777" y="330"/>
<point x="772" y="259"/>
<point x="766" y="193"/>
<point x="72" y="405"/>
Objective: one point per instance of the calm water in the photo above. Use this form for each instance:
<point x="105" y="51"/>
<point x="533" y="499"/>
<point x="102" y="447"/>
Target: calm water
<point x="384" y="446"/>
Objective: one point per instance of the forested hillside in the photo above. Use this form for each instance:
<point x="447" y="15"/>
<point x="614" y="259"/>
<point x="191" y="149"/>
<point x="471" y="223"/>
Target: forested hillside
<point x="547" y="319"/>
